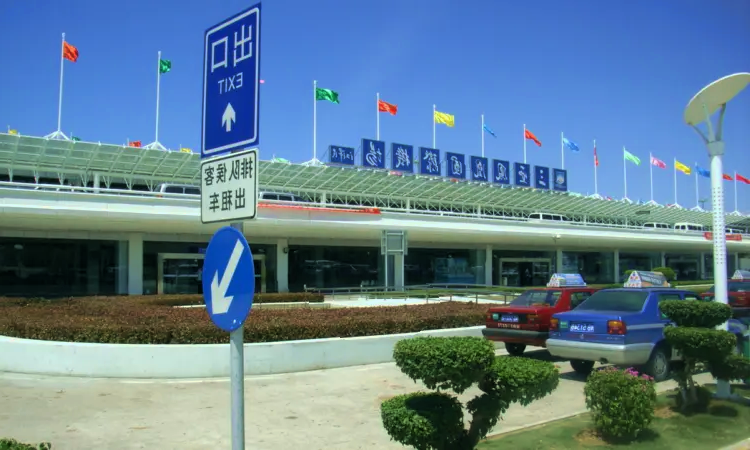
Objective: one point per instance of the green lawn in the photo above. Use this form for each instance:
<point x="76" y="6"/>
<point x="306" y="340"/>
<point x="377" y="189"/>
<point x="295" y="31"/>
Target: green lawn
<point x="723" y="424"/>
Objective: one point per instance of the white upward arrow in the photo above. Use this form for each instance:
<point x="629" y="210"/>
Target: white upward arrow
<point x="219" y="300"/>
<point x="228" y="118"/>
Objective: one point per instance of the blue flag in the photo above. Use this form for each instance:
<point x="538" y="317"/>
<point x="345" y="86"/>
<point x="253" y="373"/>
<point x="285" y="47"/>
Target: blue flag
<point x="487" y="129"/>
<point x="702" y="172"/>
<point x="571" y="145"/>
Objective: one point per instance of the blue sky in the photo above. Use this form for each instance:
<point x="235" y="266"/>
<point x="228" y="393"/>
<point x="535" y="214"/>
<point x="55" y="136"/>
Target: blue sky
<point x="615" y="71"/>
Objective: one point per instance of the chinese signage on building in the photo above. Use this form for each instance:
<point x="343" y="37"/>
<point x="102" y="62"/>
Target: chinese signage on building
<point x="229" y="187"/>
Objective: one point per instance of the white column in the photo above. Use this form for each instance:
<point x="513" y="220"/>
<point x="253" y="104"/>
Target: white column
<point x="616" y="266"/>
<point x="398" y="272"/>
<point x="488" y="266"/>
<point x="96" y="183"/>
<point x="702" y="261"/>
<point x="282" y="265"/>
<point x="737" y="262"/>
<point x="559" y="261"/>
<point x="121" y="282"/>
<point x="663" y="259"/>
<point x="135" y="264"/>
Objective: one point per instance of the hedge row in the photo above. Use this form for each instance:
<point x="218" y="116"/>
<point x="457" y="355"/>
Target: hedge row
<point x="166" y="300"/>
<point x="102" y="320"/>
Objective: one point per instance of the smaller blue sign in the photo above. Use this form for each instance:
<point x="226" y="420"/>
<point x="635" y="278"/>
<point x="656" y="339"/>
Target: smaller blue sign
<point x="228" y="279"/>
<point x="479" y="168"/>
<point x="402" y="157"/>
<point x="341" y="155"/>
<point x="429" y="161"/>
<point x="500" y="171"/>
<point x="541" y="177"/>
<point x="566" y="279"/>
<point x="522" y="174"/>
<point x="455" y="166"/>
<point x="373" y="154"/>
<point x="560" y="180"/>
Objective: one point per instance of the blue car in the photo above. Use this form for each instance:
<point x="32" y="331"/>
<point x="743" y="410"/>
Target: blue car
<point x="622" y="326"/>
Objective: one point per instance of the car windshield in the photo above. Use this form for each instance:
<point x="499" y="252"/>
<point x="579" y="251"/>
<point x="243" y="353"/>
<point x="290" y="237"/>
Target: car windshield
<point x="626" y="301"/>
<point x="733" y="286"/>
<point x="537" y="297"/>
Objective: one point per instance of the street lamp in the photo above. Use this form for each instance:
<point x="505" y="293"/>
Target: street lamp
<point x="701" y="107"/>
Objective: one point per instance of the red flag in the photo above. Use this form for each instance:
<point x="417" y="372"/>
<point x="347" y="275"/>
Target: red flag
<point x="529" y="135"/>
<point x="596" y="157"/>
<point x="658" y="163"/>
<point x="727" y="177"/>
<point x="134" y="144"/>
<point x="69" y="52"/>
<point x="739" y="177"/>
<point x="387" y="107"/>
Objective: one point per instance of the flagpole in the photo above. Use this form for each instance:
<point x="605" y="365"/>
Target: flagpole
<point x="377" y="116"/>
<point x="562" y="150"/>
<point x="158" y="91"/>
<point x="596" y="170"/>
<point x="674" y="163"/>
<point x="315" y="122"/>
<point x="697" y="191"/>
<point x="481" y="130"/>
<point x="735" y="192"/>
<point x="524" y="143"/>
<point x="625" y="172"/>
<point x="434" y="108"/>
<point x="651" y="173"/>
<point x="59" y="134"/>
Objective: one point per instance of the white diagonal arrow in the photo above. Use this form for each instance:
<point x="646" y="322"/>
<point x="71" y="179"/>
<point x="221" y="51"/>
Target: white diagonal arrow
<point x="220" y="302"/>
<point x="228" y="117"/>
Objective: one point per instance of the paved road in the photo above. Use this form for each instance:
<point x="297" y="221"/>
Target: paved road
<point x="327" y="409"/>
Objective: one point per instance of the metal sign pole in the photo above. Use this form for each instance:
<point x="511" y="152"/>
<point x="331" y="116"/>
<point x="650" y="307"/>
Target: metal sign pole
<point x="237" y="377"/>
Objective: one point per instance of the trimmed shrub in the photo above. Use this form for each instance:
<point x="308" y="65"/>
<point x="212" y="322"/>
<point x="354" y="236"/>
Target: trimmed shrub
<point x="12" y="444"/>
<point x="167" y="300"/>
<point x="435" y="420"/>
<point x="131" y="322"/>
<point x="667" y="272"/>
<point x="696" y="314"/>
<point x="622" y="402"/>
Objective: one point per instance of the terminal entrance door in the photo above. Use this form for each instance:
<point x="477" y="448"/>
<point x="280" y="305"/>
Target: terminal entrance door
<point x="525" y="271"/>
<point x="182" y="273"/>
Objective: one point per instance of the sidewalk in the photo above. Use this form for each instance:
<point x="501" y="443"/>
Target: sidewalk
<point x="335" y="409"/>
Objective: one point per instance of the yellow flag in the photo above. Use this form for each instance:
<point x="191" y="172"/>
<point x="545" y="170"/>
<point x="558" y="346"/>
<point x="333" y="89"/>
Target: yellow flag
<point x="444" y="118"/>
<point x="186" y="150"/>
<point x="682" y="167"/>
<point x="12" y="131"/>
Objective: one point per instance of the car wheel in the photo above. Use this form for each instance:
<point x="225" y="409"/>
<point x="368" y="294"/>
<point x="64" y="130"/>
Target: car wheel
<point x="582" y="367"/>
<point x="658" y="365"/>
<point x="515" y="349"/>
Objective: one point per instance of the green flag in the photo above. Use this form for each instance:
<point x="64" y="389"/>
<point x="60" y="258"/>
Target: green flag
<point x="165" y="65"/>
<point x="326" y="94"/>
<point x="75" y="138"/>
<point x="631" y="157"/>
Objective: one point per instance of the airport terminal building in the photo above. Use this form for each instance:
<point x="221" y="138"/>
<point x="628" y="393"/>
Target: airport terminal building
<point x="81" y="218"/>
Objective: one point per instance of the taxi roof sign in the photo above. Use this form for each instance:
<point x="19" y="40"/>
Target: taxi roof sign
<point x="741" y="275"/>
<point x="646" y="279"/>
<point x="566" y="280"/>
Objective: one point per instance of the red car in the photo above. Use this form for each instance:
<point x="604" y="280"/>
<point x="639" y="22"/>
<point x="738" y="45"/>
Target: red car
<point x="525" y="320"/>
<point x="738" y="290"/>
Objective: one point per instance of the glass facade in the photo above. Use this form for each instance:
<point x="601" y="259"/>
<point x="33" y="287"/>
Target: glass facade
<point x="686" y="266"/>
<point x="595" y="267"/>
<point x="744" y="261"/>
<point x="60" y="267"/>
<point x="522" y="268"/>
<point x="334" y="267"/>
<point x="424" y="266"/>
<point x="708" y="259"/>
<point x="639" y="261"/>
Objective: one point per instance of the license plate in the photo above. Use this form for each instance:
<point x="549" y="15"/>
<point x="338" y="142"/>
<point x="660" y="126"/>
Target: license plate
<point x="514" y="326"/>
<point x="582" y="327"/>
<point x="509" y="318"/>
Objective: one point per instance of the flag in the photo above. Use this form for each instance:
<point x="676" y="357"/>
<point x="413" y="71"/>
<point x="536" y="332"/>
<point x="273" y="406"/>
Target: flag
<point x="702" y="172"/>
<point x="739" y="177"/>
<point x="727" y="177"/>
<point x="165" y="65"/>
<point x="69" y="52"/>
<point x="487" y="129"/>
<point x="529" y="135"/>
<point x="444" y="118"/>
<point x="682" y="167"/>
<point x="13" y="131"/>
<point x="631" y="157"/>
<point x="75" y="138"/>
<point x="596" y="157"/>
<point x="658" y="163"/>
<point x="571" y="145"/>
<point x="134" y="144"/>
<point x="387" y="107"/>
<point x="185" y="150"/>
<point x="327" y="94"/>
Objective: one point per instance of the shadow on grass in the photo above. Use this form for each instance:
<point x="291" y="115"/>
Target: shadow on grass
<point x="645" y="436"/>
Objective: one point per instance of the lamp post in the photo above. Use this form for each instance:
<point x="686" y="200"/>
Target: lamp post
<point x="701" y="107"/>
